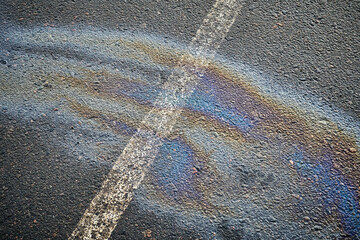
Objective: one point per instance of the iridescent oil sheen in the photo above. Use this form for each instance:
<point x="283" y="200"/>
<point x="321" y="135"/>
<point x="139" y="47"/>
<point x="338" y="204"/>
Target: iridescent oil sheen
<point x="235" y="151"/>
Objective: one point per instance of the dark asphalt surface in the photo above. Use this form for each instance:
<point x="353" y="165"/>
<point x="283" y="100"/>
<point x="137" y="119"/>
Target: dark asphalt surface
<point x="53" y="162"/>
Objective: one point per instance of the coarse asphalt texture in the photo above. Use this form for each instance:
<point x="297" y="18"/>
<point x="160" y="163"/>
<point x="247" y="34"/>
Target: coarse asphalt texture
<point x="267" y="147"/>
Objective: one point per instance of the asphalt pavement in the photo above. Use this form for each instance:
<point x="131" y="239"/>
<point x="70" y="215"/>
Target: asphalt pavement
<point x="267" y="146"/>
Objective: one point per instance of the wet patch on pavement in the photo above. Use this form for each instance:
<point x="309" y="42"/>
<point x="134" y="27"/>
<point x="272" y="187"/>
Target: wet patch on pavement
<point x="240" y="162"/>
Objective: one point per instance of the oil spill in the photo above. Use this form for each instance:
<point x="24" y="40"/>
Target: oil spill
<point x="235" y="152"/>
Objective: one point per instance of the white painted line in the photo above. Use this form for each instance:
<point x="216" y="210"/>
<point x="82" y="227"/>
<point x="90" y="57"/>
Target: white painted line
<point x="100" y="219"/>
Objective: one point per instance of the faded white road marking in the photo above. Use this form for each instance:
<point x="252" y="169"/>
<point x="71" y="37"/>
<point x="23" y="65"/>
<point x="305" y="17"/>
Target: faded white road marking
<point x="100" y="219"/>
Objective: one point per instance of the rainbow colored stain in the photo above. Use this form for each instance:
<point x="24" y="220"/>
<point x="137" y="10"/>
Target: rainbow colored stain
<point x="229" y="105"/>
<point x="339" y="192"/>
<point x="235" y="151"/>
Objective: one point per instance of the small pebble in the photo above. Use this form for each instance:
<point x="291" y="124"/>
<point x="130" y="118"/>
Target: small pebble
<point x="272" y="219"/>
<point x="317" y="228"/>
<point x="353" y="150"/>
<point x="46" y="84"/>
